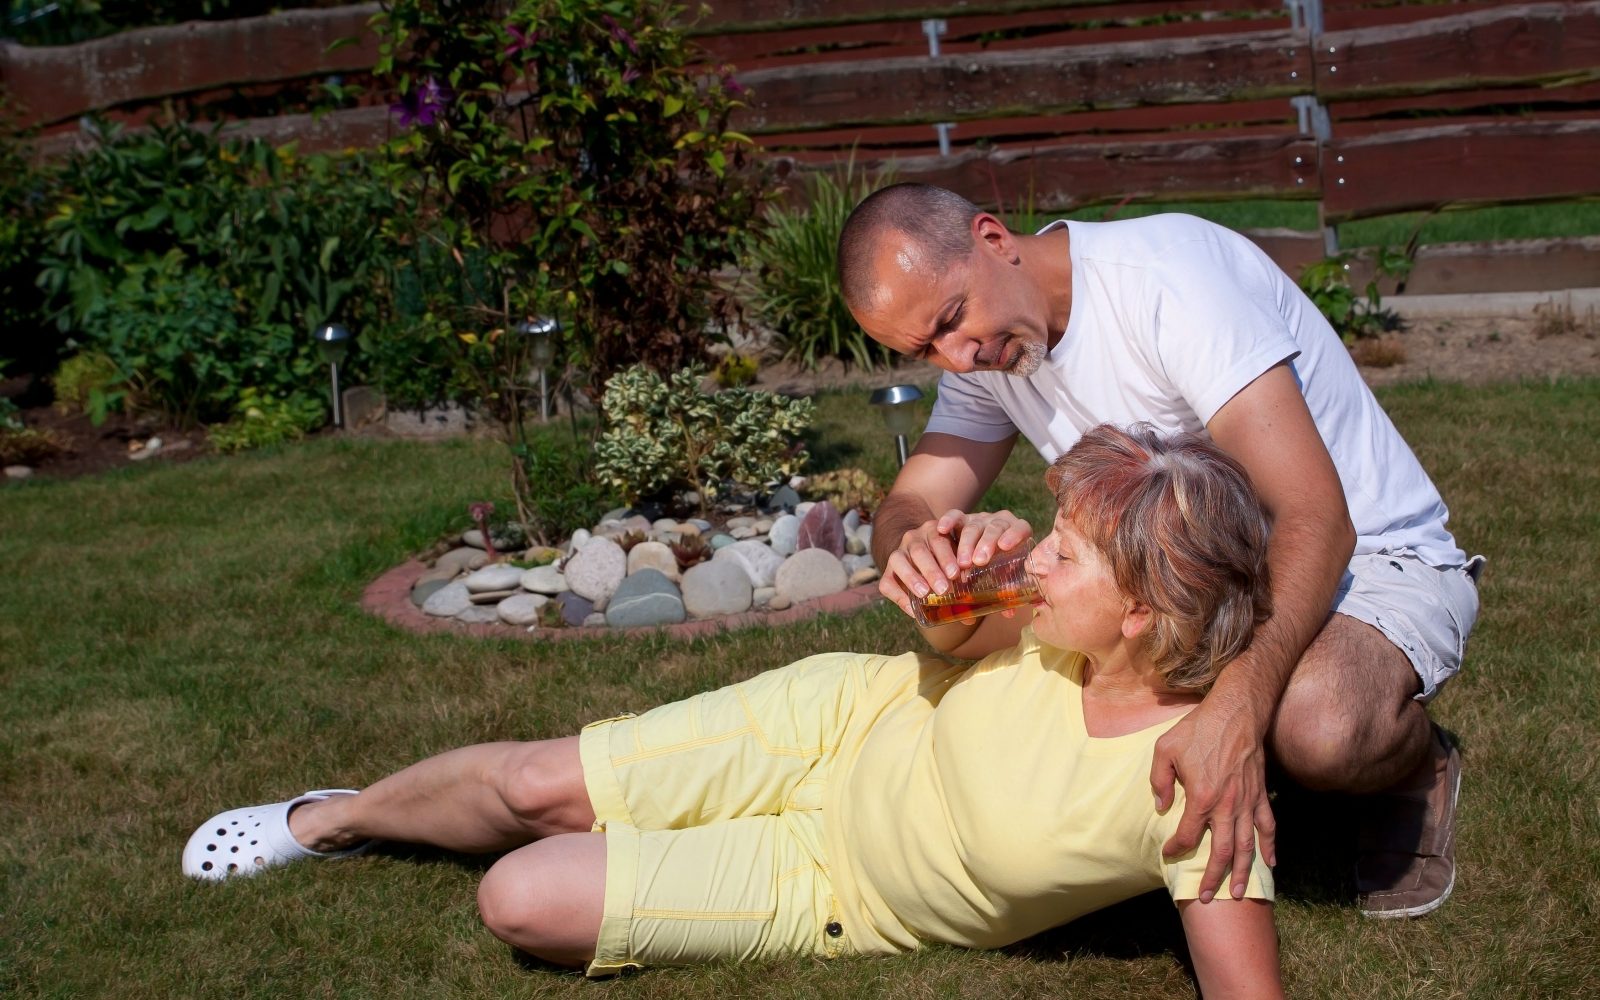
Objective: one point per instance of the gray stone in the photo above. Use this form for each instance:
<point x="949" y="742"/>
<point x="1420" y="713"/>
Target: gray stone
<point x="780" y="603"/>
<point x="701" y="523"/>
<point x="821" y="528"/>
<point x="521" y="609"/>
<point x="19" y="472"/>
<point x="597" y="570"/>
<point x="811" y="573"/>
<point x="497" y="577"/>
<point x="638" y="522"/>
<point x="479" y="614"/>
<point x="763" y="596"/>
<point x="865" y="534"/>
<point x="448" y="601"/>
<point x="759" y="562"/>
<point x="784" y="498"/>
<point x="544" y="580"/>
<point x="785" y="535"/>
<point x="493" y="596"/>
<point x="449" y="421"/>
<point x="653" y="555"/>
<point x="803" y="508"/>
<point x="738" y="522"/>
<point x="574" y="609"/>
<point x="362" y="405"/>
<point x="716" y="588"/>
<point x="853" y="563"/>
<point x="616" y="514"/>
<point x="688" y="529"/>
<point x="579" y="539"/>
<point x="474" y="538"/>
<point x="866" y="574"/>
<point x="459" y="560"/>
<point x="851" y="520"/>
<point x="763" y="525"/>
<point x="595" y="620"/>
<point x="743" y="532"/>
<point x="424" y="589"/>
<point x="854" y="545"/>
<point x="644" y="599"/>
<point x="721" y="539"/>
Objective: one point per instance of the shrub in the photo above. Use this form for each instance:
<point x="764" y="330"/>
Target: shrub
<point x="87" y="382"/>
<point x="734" y="369"/>
<point x="26" y="193"/>
<point x="199" y="268"/>
<point x="566" y="496"/>
<point x="260" y="420"/>
<point x="665" y="433"/>
<point x="585" y="157"/>
<point x="1327" y="284"/>
<point x="791" y="280"/>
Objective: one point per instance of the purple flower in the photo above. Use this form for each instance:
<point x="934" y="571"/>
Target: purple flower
<point x="733" y="86"/>
<point x="620" y="33"/>
<point x="630" y="74"/>
<point x="519" y="40"/>
<point x="423" y="104"/>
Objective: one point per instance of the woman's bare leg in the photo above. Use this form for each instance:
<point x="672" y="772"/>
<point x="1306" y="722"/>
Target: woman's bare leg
<point x="547" y="898"/>
<point x="478" y="799"/>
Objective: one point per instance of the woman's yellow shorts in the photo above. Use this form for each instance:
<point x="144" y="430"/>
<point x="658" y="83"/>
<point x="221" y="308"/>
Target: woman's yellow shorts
<point x="712" y="810"/>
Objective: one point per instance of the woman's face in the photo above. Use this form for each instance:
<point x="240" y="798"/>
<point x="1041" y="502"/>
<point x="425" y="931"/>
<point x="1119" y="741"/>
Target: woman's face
<point x="1083" y="608"/>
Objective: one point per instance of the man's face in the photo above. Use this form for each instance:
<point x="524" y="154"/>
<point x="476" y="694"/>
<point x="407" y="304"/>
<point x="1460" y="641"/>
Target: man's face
<point x="982" y="314"/>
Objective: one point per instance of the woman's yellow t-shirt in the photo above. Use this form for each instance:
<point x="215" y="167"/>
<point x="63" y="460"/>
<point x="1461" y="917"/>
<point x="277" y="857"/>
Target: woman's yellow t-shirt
<point x="970" y="806"/>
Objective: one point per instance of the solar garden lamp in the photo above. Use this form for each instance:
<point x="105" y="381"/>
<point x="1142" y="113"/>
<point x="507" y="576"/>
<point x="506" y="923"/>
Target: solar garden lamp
<point x="333" y="341"/>
<point x="898" y="413"/>
<point x="540" y="334"/>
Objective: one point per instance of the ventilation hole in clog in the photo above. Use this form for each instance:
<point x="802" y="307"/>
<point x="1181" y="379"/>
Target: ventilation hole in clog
<point x="206" y="867"/>
<point x="211" y="847"/>
<point x="254" y="843"/>
<point x="261" y="861"/>
<point x="233" y="868"/>
<point x="233" y="850"/>
<point x="223" y="832"/>
<point x="234" y="823"/>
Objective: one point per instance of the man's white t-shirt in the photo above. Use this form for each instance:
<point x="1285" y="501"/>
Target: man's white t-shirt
<point x="1172" y="316"/>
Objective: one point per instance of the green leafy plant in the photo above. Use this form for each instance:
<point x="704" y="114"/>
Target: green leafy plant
<point x="791" y="281"/>
<point x="199" y="267"/>
<point x="735" y="369"/>
<point x="568" y="497"/>
<point x="666" y="433"/>
<point x="1353" y="316"/>
<point x="261" y="420"/>
<point x="566" y="158"/>
<point x="27" y="191"/>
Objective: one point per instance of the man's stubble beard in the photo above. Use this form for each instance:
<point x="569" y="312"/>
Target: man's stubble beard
<point x="1029" y="360"/>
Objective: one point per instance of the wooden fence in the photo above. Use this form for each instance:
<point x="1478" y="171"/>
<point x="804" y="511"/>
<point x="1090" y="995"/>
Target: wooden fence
<point x="1364" y="107"/>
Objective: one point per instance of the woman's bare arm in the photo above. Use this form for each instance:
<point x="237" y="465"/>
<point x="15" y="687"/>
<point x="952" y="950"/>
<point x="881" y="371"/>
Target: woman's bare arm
<point x="1234" y="945"/>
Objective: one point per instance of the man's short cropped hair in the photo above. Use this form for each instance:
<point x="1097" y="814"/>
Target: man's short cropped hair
<point x="938" y="220"/>
<point x="1183" y="532"/>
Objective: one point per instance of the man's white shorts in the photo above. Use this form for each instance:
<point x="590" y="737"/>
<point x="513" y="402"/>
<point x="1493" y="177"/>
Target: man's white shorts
<point x="1427" y="611"/>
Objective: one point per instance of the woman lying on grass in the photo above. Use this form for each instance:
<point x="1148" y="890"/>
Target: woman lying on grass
<point x="857" y="804"/>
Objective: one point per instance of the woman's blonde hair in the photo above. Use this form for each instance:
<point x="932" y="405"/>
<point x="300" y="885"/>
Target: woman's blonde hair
<point x="1183" y="532"/>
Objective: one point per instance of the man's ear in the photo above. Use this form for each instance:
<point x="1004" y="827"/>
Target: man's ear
<point x="989" y="232"/>
<point x="1137" y="620"/>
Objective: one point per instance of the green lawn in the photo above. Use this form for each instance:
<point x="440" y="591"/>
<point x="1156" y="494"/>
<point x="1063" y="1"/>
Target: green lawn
<point x="178" y="640"/>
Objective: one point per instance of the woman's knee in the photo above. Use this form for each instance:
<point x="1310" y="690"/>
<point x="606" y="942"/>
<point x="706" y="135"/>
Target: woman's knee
<point x="542" y="784"/>
<point x="548" y="898"/>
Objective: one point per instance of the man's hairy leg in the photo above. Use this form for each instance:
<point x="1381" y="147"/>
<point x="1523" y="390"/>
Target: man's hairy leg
<point x="1348" y="720"/>
<point x="478" y="799"/>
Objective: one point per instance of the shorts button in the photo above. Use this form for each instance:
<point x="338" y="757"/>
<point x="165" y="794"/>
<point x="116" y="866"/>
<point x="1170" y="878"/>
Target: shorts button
<point x="834" y="929"/>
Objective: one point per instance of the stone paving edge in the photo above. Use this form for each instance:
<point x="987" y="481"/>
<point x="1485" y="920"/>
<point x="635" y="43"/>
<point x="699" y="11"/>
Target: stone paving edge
<point x="389" y="597"/>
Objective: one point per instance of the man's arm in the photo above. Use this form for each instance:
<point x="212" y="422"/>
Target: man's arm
<point x="1218" y="750"/>
<point x="920" y="550"/>
<point x="1234" y="945"/>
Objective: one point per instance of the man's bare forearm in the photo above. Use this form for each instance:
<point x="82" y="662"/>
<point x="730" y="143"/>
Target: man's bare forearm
<point x="1307" y="558"/>
<point x="899" y="513"/>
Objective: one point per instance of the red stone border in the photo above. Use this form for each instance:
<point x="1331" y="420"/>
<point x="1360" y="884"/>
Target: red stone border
<point x="389" y="597"/>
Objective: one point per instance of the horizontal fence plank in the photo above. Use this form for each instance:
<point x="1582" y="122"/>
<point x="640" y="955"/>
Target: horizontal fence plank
<point x="1039" y="81"/>
<point x="60" y="83"/>
<point x="1526" y="44"/>
<point x="1406" y="169"/>
<point x="1211" y="119"/>
<point x="1499" y="266"/>
<point x="1350" y="117"/>
<point x="767" y="15"/>
<point x="1057" y="178"/>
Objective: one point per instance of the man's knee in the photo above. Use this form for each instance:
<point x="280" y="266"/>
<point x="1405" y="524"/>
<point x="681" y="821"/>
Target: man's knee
<point x="1320" y="745"/>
